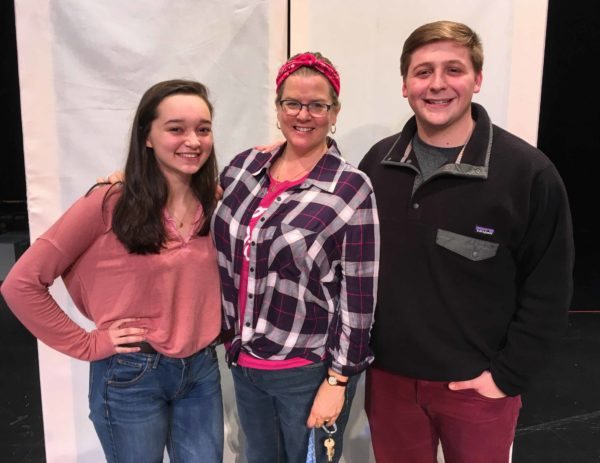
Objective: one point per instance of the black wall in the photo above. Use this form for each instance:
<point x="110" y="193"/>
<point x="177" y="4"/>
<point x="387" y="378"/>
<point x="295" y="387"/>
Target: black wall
<point x="13" y="211"/>
<point x="569" y="129"/>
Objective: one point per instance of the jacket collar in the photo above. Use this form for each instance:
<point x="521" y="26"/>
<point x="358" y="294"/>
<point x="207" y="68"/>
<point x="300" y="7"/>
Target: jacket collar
<point x="475" y="160"/>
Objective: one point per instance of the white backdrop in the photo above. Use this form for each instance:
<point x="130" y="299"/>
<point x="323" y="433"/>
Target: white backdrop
<point x="364" y="40"/>
<point x="84" y="65"/>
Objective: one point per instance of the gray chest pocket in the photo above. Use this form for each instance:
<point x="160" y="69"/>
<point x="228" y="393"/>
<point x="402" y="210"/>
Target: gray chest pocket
<point x="471" y="248"/>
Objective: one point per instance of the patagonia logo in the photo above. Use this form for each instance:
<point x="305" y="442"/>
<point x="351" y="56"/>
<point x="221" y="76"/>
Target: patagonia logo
<point x="484" y="230"/>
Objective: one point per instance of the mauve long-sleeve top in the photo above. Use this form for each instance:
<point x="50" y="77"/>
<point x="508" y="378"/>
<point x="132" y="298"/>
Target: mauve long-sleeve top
<point x="175" y="294"/>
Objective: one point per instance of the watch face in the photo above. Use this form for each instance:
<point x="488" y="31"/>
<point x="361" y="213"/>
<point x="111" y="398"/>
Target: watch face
<point x="332" y="380"/>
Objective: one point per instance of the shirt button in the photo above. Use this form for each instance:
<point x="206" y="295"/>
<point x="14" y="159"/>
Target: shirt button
<point x="475" y="254"/>
<point x="253" y="243"/>
<point x="278" y="198"/>
<point x="248" y="324"/>
<point x="262" y="219"/>
<point x="416" y="206"/>
<point x="252" y="269"/>
<point x="250" y="296"/>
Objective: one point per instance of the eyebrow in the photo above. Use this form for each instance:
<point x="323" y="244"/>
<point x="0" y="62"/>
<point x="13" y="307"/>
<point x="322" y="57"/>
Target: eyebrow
<point x="446" y="63"/>
<point x="318" y="100"/>
<point x="180" y="121"/>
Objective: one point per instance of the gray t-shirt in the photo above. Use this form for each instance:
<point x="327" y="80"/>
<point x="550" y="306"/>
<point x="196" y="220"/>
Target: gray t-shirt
<point x="431" y="158"/>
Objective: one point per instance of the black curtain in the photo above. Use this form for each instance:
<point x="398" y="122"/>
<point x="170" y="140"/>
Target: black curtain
<point x="569" y="129"/>
<point x="13" y="212"/>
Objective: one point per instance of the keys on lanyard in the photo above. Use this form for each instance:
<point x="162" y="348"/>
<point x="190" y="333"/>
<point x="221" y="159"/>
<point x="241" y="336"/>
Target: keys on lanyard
<point x="329" y="442"/>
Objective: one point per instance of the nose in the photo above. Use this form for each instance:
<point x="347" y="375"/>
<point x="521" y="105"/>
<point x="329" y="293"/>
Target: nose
<point x="192" y="140"/>
<point x="438" y="81"/>
<point x="304" y="114"/>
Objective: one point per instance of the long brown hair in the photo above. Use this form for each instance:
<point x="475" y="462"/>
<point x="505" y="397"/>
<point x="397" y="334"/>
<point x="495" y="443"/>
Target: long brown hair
<point x="138" y="214"/>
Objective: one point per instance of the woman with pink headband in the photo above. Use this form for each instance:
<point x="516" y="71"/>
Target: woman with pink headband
<point x="297" y="238"/>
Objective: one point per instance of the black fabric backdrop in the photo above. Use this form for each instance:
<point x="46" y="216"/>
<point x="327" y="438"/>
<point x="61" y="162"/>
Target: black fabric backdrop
<point x="569" y="129"/>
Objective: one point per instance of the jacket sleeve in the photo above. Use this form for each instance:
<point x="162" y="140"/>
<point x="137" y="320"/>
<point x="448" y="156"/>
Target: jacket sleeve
<point x="26" y="287"/>
<point x="545" y="261"/>
<point x="351" y="353"/>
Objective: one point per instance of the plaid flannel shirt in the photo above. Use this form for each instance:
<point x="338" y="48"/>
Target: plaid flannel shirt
<point x="314" y="257"/>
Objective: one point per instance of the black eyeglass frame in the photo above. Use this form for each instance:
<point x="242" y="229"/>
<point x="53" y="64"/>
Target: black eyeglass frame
<point x="286" y="109"/>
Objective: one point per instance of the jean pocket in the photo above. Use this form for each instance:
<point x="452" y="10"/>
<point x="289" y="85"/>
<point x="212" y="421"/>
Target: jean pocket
<point x="97" y="374"/>
<point x="472" y="248"/>
<point x="127" y="370"/>
<point x="473" y="394"/>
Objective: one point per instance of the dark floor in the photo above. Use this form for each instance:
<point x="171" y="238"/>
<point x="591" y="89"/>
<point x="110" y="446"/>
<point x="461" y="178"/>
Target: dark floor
<point x="21" y="426"/>
<point x="560" y="420"/>
<point x="559" y="423"/>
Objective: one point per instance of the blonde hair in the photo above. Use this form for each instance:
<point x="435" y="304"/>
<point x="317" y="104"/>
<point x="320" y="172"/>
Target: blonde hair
<point x="309" y="71"/>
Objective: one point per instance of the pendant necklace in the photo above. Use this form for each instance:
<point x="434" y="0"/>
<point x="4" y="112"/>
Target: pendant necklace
<point x="179" y="222"/>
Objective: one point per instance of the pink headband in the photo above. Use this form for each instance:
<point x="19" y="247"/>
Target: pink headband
<point x="310" y="61"/>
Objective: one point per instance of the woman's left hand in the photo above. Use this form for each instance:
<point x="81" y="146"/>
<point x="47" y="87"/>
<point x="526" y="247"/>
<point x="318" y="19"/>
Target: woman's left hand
<point x="327" y="405"/>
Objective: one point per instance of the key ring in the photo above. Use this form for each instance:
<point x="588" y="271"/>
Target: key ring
<point x="331" y="431"/>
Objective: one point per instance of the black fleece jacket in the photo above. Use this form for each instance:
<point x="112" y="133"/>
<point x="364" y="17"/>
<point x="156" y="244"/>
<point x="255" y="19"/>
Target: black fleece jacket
<point x="476" y="263"/>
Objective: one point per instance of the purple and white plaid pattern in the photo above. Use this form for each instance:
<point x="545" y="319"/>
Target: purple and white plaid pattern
<point x="314" y="259"/>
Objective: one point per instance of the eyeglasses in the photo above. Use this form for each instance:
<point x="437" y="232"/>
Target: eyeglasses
<point x="315" y="109"/>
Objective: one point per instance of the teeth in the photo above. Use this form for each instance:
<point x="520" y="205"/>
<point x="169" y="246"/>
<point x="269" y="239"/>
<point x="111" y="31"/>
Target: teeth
<point x="303" y="129"/>
<point x="188" y="155"/>
<point x="438" y="101"/>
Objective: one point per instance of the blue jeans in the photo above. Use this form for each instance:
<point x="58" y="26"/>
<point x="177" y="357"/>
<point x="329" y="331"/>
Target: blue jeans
<point x="273" y="406"/>
<point x="142" y="403"/>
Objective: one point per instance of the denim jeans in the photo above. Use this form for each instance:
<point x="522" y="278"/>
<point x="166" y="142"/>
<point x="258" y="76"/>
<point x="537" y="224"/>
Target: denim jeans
<point x="142" y="403"/>
<point x="273" y="406"/>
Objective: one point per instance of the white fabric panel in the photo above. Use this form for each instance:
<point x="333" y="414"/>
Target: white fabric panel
<point x="364" y="40"/>
<point x="83" y="67"/>
<point x="528" y="40"/>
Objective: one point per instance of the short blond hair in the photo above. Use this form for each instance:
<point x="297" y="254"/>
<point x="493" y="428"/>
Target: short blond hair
<point x="438" y="31"/>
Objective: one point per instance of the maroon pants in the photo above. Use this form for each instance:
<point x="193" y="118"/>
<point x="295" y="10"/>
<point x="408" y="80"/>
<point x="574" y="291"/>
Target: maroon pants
<point x="408" y="417"/>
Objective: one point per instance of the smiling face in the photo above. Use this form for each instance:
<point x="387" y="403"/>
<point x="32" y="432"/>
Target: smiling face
<point x="304" y="133"/>
<point x="439" y="85"/>
<point x="181" y="135"/>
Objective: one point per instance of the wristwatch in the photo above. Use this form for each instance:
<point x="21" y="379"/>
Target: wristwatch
<point x="333" y="381"/>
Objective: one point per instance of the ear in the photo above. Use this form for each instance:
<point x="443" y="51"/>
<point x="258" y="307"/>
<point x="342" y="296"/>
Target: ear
<point x="334" y="114"/>
<point x="279" y="116"/>
<point x="404" y="91"/>
<point x="149" y="143"/>
<point x="478" y="82"/>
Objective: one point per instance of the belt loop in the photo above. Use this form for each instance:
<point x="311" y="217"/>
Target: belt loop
<point x="156" y="360"/>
